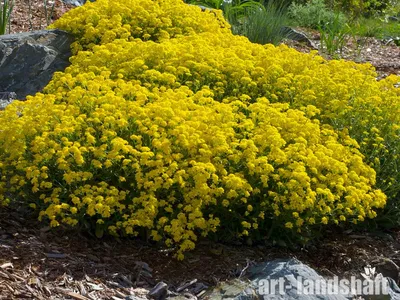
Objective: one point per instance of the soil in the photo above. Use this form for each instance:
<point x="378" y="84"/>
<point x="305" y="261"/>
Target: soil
<point x="39" y="263"/>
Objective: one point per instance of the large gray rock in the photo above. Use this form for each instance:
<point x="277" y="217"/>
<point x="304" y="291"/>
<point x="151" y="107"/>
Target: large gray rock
<point x="291" y="272"/>
<point x="289" y="279"/>
<point x="28" y="60"/>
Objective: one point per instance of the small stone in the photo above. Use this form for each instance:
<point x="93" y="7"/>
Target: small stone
<point x="132" y="297"/>
<point x="144" y="266"/>
<point x="74" y="2"/>
<point x="198" y="287"/>
<point x="159" y="292"/>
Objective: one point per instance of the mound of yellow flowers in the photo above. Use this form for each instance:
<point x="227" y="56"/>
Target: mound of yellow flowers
<point x="167" y="124"/>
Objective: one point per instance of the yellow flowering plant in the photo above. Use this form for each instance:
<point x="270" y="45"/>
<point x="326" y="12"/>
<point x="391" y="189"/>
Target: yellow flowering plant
<point x="180" y="165"/>
<point x="190" y="131"/>
<point x="342" y="94"/>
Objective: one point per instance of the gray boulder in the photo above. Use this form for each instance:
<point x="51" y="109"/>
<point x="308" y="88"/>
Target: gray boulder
<point x="298" y="36"/>
<point x="28" y="60"/>
<point x="159" y="291"/>
<point x="293" y="275"/>
<point x="290" y="279"/>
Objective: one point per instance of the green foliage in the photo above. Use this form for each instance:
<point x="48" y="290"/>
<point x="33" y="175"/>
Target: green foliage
<point x="237" y="11"/>
<point x="264" y="25"/>
<point x="358" y="8"/>
<point x="315" y="14"/>
<point x="6" y="8"/>
<point x="334" y="36"/>
<point x="261" y="21"/>
<point x="376" y="27"/>
<point x="233" y="10"/>
<point x="216" y="4"/>
<point x="393" y="9"/>
<point x="367" y="27"/>
<point x="391" y="30"/>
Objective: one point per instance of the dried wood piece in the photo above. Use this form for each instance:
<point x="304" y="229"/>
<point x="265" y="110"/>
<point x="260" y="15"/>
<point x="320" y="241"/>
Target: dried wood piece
<point x="6" y="265"/>
<point x="72" y="294"/>
<point x="186" y="285"/>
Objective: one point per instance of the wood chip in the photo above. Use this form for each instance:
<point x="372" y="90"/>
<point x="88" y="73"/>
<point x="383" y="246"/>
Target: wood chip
<point x="72" y="294"/>
<point x="33" y="281"/>
<point x="94" y="286"/>
<point x="120" y="294"/>
<point x="6" y="266"/>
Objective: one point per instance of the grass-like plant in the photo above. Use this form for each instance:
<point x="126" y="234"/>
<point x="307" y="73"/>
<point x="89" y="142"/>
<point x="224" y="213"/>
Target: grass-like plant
<point x="216" y="4"/>
<point x="266" y="24"/>
<point x="376" y="27"/>
<point x="6" y="8"/>
<point x="234" y="10"/>
<point x="367" y="27"/>
<point x="48" y="15"/>
<point x="334" y="36"/>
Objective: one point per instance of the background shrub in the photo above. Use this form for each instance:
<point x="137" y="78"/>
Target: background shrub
<point x="315" y="14"/>
<point x="357" y="8"/>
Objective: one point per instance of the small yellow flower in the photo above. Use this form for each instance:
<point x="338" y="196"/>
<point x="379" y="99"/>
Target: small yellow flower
<point x="289" y="225"/>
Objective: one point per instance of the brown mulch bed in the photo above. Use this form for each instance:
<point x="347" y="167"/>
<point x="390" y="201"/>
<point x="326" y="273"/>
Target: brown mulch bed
<point x="29" y="15"/>
<point x="39" y="263"/>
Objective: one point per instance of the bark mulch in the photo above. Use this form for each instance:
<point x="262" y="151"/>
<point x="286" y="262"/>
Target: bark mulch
<point x="39" y="263"/>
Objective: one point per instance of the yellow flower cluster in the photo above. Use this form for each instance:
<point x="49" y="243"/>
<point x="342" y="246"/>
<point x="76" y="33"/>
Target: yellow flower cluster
<point x="104" y="21"/>
<point x="177" y="133"/>
<point x="346" y="95"/>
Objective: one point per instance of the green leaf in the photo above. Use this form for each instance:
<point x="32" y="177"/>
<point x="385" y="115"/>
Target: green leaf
<point x="99" y="231"/>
